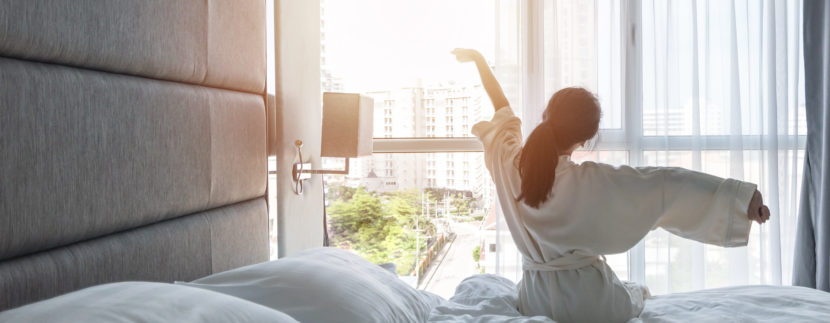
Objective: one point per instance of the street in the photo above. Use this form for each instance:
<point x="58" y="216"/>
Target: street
<point x="455" y="262"/>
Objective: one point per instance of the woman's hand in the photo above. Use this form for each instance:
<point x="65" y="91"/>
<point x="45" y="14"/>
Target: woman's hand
<point x="757" y="211"/>
<point x="467" y="55"/>
<point x="491" y="85"/>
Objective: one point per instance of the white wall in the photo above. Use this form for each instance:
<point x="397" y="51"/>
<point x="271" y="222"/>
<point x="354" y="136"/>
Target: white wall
<point x="299" y="109"/>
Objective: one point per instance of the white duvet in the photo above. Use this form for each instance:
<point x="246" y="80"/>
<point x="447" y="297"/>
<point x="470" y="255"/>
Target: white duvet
<point x="489" y="298"/>
<point x="483" y="298"/>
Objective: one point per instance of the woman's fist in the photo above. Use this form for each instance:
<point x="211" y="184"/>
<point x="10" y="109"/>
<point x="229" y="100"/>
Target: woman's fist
<point x="757" y="211"/>
<point x="467" y="55"/>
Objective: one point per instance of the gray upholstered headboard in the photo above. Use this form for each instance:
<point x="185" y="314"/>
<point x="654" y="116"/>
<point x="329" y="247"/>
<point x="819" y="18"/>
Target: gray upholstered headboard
<point x="132" y="142"/>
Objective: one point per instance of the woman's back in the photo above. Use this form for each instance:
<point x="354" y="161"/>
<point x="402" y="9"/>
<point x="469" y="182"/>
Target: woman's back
<point x="595" y="209"/>
<point x="564" y="217"/>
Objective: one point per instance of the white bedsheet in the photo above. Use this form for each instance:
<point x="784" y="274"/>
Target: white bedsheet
<point x="489" y="298"/>
<point x="740" y="304"/>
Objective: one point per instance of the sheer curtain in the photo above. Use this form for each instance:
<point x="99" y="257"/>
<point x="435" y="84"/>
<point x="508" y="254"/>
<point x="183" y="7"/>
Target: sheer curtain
<point x="715" y="86"/>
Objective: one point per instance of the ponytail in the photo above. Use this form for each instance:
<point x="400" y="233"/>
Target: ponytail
<point x="572" y="116"/>
<point x="537" y="165"/>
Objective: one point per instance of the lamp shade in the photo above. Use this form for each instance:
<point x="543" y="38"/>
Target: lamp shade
<point x="347" y="125"/>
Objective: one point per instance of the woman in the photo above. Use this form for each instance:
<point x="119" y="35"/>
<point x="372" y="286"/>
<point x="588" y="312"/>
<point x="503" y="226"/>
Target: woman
<point x="564" y="216"/>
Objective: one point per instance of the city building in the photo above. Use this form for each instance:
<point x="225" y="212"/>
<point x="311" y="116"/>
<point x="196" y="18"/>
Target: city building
<point x="328" y="81"/>
<point x="443" y="110"/>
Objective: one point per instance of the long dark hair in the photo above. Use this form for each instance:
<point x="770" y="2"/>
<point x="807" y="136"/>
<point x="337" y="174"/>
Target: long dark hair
<point x="572" y="116"/>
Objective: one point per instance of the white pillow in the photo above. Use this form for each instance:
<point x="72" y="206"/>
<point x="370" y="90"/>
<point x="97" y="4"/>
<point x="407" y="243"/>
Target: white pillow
<point x="324" y="285"/>
<point x="144" y="302"/>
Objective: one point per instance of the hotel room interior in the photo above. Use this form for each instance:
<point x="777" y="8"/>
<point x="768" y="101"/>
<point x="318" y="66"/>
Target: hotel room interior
<point x="312" y="160"/>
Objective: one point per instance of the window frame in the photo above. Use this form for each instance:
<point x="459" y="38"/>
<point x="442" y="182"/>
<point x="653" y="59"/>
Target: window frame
<point x="630" y="137"/>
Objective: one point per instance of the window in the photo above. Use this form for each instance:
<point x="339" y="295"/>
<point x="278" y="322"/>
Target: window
<point x="425" y="95"/>
<point x="679" y="109"/>
<point x="694" y="99"/>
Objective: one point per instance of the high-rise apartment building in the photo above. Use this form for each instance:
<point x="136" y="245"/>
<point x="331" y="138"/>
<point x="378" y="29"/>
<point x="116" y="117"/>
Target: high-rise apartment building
<point x="573" y="46"/>
<point x="445" y="110"/>
<point x="328" y="81"/>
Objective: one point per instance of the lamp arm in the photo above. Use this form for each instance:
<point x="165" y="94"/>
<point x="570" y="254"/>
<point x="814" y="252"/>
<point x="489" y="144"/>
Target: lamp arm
<point x="297" y="170"/>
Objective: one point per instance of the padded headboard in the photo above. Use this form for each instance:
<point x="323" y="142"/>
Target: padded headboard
<point x="132" y="142"/>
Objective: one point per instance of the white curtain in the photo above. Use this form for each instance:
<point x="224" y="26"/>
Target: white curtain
<point x="715" y="86"/>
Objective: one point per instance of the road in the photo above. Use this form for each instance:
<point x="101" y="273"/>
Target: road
<point x="457" y="262"/>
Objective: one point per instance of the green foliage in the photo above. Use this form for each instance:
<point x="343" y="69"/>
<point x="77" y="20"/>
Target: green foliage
<point x="379" y="227"/>
<point x="477" y="253"/>
<point x="461" y="204"/>
<point x="440" y="192"/>
<point x="340" y="192"/>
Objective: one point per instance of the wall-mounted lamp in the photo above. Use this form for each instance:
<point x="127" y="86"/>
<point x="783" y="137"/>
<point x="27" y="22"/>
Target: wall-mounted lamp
<point x="347" y="132"/>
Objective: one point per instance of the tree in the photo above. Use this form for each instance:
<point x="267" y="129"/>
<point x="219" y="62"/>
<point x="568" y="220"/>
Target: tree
<point x="461" y="204"/>
<point x="379" y="228"/>
<point x="339" y="192"/>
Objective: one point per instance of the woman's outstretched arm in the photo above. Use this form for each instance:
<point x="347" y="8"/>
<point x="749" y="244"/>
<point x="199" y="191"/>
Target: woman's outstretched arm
<point x="491" y="85"/>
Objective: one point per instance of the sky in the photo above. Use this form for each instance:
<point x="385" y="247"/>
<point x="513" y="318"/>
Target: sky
<point x="385" y="44"/>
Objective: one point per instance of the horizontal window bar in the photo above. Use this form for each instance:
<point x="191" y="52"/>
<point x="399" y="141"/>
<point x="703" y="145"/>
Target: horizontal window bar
<point x="426" y="145"/>
<point x="606" y="141"/>
<point x="744" y="142"/>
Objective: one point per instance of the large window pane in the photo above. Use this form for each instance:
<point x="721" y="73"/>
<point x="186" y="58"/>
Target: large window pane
<point x="436" y="207"/>
<point x="582" y="48"/>
<point x="398" y="52"/>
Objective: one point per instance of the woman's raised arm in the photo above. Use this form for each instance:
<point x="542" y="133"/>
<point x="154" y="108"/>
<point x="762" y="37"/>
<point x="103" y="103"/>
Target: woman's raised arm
<point x="491" y="85"/>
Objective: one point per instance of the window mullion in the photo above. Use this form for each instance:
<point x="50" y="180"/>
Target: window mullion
<point x="632" y="111"/>
<point x="533" y="62"/>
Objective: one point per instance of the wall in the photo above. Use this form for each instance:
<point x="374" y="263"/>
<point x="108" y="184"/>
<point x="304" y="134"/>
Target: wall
<point x="299" y="109"/>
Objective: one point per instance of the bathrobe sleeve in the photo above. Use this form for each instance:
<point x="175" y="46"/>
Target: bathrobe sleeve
<point x="690" y="204"/>
<point x="706" y="208"/>
<point x="501" y="138"/>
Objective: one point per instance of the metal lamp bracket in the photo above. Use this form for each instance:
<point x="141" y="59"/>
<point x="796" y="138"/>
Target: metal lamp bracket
<point x="302" y="172"/>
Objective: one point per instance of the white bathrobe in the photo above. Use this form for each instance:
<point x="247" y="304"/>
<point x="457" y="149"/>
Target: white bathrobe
<point x="596" y="209"/>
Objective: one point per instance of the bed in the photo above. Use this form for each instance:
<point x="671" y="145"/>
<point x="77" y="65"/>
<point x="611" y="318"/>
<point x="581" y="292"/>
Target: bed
<point x="333" y="285"/>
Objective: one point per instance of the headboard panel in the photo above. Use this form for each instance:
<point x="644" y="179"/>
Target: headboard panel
<point x="218" y="43"/>
<point x="133" y="142"/>
<point x="184" y="248"/>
